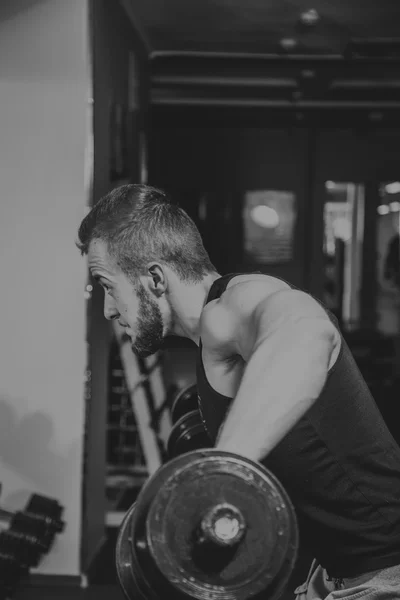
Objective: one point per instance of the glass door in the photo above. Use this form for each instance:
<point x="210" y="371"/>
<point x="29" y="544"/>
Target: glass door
<point x="354" y="261"/>
<point x="343" y="239"/>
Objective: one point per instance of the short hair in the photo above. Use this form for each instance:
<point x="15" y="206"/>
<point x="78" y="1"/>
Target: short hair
<point x="138" y="224"/>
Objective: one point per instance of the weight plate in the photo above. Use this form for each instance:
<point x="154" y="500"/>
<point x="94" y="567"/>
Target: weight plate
<point x="129" y="573"/>
<point x="137" y="574"/>
<point x="187" y="434"/>
<point x="187" y="489"/>
<point x="185" y="401"/>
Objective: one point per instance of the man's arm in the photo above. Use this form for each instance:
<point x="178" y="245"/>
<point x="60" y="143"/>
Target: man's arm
<point x="293" y="343"/>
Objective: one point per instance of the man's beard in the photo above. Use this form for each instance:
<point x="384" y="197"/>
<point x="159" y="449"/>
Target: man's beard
<point x="150" y="332"/>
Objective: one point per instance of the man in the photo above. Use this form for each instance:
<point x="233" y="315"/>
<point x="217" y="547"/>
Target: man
<point x="300" y="404"/>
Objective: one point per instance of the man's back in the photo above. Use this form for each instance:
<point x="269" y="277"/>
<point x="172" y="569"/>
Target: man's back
<point x="339" y="464"/>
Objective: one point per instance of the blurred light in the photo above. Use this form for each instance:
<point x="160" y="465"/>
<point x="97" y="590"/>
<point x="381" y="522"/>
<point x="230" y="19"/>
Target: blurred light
<point x="330" y="185"/>
<point x="309" y="17"/>
<point x="394" y="206"/>
<point x="308" y="73"/>
<point x="202" y="209"/>
<point x="264" y="216"/>
<point x="288" y="43"/>
<point x="383" y="209"/>
<point x="87" y="295"/>
<point x="342" y="228"/>
<point x="89" y="288"/>
<point x="393" y="188"/>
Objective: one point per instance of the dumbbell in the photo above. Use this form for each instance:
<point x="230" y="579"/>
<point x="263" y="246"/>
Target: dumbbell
<point x="11" y="572"/>
<point x="208" y="525"/>
<point x="30" y="533"/>
<point x="47" y="509"/>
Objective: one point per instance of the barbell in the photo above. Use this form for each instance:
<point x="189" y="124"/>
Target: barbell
<point x="208" y="525"/>
<point x="184" y="402"/>
<point x="188" y="432"/>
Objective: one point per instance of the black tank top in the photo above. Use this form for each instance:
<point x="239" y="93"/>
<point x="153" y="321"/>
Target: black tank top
<point x="339" y="464"/>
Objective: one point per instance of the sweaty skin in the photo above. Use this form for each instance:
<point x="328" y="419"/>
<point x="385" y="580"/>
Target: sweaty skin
<point x="253" y="336"/>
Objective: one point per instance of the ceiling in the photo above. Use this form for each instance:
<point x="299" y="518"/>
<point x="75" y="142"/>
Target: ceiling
<point x="259" y="53"/>
<point x="259" y="26"/>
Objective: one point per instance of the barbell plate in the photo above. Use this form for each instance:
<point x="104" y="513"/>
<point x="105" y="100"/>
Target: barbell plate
<point x="138" y="576"/>
<point x="187" y="434"/>
<point x="129" y="573"/>
<point x="186" y="489"/>
<point x="185" y="401"/>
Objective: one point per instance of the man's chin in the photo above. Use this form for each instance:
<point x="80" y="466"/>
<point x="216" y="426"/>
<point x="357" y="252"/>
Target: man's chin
<point x="144" y="352"/>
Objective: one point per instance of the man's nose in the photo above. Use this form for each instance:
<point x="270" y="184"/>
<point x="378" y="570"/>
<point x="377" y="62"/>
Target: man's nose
<point x="110" y="309"/>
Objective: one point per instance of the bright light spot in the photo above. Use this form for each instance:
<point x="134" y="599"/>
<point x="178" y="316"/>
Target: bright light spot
<point x="393" y="188"/>
<point x="330" y="185"/>
<point x="226" y="528"/>
<point x="342" y="229"/>
<point x="394" y="206"/>
<point x="264" y="216"/>
<point x="288" y="43"/>
<point x="383" y="209"/>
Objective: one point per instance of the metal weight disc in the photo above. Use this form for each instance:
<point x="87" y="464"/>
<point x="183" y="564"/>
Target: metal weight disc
<point x="137" y="574"/>
<point x="185" y="402"/>
<point x="187" y="434"/>
<point x="129" y="573"/>
<point x="190" y="488"/>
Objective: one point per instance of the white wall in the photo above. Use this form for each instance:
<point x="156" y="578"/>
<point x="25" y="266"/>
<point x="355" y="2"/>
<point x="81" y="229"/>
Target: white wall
<point x="44" y="84"/>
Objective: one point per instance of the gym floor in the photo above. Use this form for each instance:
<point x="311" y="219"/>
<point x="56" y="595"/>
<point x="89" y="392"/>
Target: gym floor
<point x="97" y="592"/>
<point x="103" y="577"/>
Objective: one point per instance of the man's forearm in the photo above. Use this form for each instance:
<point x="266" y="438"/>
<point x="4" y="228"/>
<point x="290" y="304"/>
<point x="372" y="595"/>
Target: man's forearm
<point x="283" y="378"/>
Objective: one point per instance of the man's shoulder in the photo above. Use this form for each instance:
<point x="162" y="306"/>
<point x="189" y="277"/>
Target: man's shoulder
<point x="245" y="291"/>
<point x="222" y="317"/>
<point x="251" y="295"/>
<point x="254" y="302"/>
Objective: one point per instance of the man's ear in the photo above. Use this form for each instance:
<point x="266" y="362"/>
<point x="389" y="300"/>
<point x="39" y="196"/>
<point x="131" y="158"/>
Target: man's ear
<point x="156" y="279"/>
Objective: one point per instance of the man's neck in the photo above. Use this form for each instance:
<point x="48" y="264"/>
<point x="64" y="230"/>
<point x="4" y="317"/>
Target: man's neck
<point x="188" y="307"/>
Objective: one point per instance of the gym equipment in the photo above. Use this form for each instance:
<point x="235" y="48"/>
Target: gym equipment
<point x="25" y="536"/>
<point x="208" y="525"/>
<point x="184" y="402"/>
<point x="187" y="434"/>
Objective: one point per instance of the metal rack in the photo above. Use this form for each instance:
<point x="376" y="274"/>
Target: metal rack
<point x="137" y="423"/>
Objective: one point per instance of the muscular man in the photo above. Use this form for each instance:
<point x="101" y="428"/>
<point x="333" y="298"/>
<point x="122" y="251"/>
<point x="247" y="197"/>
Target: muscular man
<point x="277" y="384"/>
